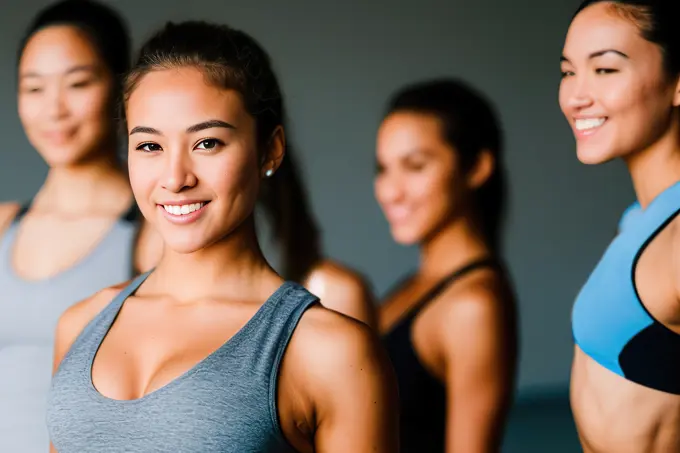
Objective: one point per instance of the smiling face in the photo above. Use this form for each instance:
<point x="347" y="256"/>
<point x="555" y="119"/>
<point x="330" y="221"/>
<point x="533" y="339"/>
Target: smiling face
<point x="614" y="92"/>
<point x="193" y="157"/>
<point x="65" y="96"/>
<point x="420" y="184"/>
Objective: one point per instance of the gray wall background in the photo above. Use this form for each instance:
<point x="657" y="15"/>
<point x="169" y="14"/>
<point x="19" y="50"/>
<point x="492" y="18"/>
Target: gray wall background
<point x="338" y="63"/>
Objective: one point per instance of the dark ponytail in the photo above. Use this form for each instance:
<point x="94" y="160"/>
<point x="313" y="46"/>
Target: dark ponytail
<point x="295" y="231"/>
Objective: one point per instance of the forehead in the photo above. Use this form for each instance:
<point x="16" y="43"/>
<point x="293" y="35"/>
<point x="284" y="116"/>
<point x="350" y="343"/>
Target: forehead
<point x="176" y="98"/>
<point x="600" y="27"/>
<point x="57" y="49"/>
<point x="404" y="133"/>
<point x="406" y="126"/>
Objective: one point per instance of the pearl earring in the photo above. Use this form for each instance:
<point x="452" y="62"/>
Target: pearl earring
<point x="269" y="172"/>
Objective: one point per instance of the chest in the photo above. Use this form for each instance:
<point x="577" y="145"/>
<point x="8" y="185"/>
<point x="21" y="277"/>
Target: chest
<point x="409" y="322"/>
<point x="45" y="247"/>
<point x="207" y="413"/>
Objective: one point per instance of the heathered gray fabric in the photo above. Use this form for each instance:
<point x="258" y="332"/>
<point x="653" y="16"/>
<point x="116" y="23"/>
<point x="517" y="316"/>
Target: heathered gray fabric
<point x="225" y="404"/>
<point x="29" y="311"/>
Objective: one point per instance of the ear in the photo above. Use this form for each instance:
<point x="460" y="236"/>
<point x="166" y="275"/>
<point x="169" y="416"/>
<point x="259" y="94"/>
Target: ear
<point x="482" y="170"/>
<point x="273" y="156"/>
<point x="676" y="95"/>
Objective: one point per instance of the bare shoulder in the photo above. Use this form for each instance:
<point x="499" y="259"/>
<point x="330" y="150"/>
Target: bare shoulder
<point x="482" y="305"/>
<point x="344" y="290"/>
<point x="8" y="210"/>
<point x="330" y="345"/>
<point x="77" y="316"/>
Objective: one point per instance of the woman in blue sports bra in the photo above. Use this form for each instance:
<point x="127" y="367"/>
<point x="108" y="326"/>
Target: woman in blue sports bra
<point x="79" y="233"/>
<point x="620" y="92"/>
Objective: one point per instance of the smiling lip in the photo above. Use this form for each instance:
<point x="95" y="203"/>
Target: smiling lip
<point x="183" y="212"/>
<point x="59" y="137"/>
<point x="397" y="215"/>
<point x="585" y="127"/>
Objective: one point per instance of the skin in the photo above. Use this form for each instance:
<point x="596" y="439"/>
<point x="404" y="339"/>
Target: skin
<point x="343" y="290"/>
<point x="465" y="337"/>
<point x="65" y="107"/>
<point x="336" y="388"/>
<point x="639" y="99"/>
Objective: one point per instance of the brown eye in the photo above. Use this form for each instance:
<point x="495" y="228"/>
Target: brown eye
<point x="149" y="147"/>
<point x="209" y="143"/>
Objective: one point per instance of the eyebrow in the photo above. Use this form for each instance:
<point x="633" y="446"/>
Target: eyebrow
<point x="599" y="53"/>
<point x="79" y="68"/>
<point x="191" y="129"/>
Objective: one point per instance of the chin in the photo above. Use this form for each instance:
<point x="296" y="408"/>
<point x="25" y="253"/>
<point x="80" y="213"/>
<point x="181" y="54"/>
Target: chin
<point x="65" y="156"/>
<point x="404" y="236"/>
<point x="183" y="245"/>
<point x="593" y="156"/>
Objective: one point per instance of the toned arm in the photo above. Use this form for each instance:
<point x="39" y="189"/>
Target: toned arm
<point x="478" y="347"/>
<point x="351" y="386"/>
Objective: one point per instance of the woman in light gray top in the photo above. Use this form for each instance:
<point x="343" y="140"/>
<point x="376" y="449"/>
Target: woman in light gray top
<point x="212" y="351"/>
<point x="78" y="234"/>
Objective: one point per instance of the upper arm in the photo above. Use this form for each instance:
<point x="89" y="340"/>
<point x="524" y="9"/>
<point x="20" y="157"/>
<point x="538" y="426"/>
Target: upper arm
<point x="149" y="248"/>
<point x="479" y="348"/>
<point x="353" y="390"/>
<point x="344" y="291"/>
<point x="75" y="318"/>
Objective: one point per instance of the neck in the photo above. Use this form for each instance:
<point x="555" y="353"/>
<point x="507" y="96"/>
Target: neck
<point x="234" y="265"/>
<point x="452" y="247"/>
<point x="656" y="168"/>
<point x="94" y="185"/>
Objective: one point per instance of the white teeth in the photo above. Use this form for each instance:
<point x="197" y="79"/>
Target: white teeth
<point x="183" y="209"/>
<point x="589" y="123"/>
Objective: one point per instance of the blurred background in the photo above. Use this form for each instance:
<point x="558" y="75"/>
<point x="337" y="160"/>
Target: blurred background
<point x="338" y="62"/>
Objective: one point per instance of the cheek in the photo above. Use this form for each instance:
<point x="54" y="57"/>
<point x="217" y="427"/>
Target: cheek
<point x="91" y="107"/>
<point x="434" y="188"/>
<point x="637" y="108"/>
<point x="379" y="185"/>
<point x="437" y="196"/>
<point x="29" y="108"/>
<point x="143" y="173"/>
<point x="234" y="179"/>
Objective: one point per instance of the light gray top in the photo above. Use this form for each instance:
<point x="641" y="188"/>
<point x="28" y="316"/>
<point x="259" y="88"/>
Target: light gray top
<point x="29" y="311"/>
<point x="224" y="404"/>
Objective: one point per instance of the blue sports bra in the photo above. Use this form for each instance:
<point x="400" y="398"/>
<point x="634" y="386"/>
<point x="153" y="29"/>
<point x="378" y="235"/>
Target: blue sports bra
<point x="609" y="321"/>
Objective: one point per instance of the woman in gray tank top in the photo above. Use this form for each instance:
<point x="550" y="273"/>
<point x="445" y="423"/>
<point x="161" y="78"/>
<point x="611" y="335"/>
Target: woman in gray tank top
<point x="78" y="233"/>
<point x="212" y="351"/>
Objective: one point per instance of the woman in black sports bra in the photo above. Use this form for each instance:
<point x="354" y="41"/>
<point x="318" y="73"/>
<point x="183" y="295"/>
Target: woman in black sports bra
<point x="450" y="328"/>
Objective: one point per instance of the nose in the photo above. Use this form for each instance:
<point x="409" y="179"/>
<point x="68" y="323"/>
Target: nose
<point x="56" y="103"/>
<point x="178" y="174"/>
<point x="579" y="95"/>
<point x="388" y="189"/>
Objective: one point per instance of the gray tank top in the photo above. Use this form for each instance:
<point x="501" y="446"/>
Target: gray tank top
<point x="29" y="311"/>
<point x="224" y="404"/>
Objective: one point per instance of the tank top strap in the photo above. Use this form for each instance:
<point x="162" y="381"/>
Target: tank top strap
<point x="277" y="327"/>
<point x="451" y="278"/>
<point x="23" y="209"/>
<point x="272" y="328"/>
<point x="88" y="341"/>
